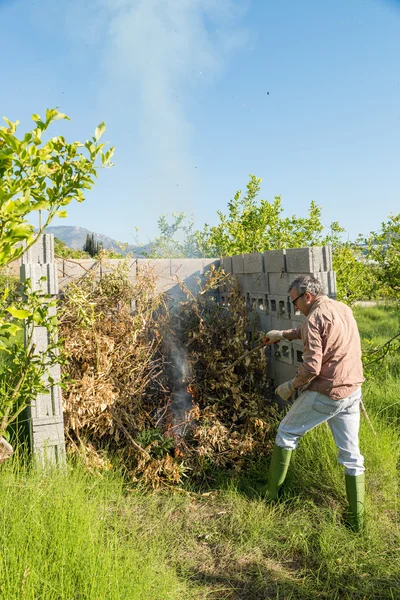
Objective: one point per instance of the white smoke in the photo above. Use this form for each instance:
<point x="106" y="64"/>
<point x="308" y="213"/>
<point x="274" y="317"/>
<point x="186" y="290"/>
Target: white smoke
<point x="156" y="54"/>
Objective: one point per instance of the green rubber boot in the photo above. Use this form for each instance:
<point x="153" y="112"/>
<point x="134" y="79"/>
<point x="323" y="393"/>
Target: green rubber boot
<point x="277" y="473"/>
<point x="355" y="491"/>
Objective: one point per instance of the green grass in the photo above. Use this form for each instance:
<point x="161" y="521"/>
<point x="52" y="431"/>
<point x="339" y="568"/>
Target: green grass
<point x="64" y="536"/>
<point x="72" y="535"/>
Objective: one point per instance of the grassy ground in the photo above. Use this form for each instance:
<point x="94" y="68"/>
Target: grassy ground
<point x="76" y="536"/>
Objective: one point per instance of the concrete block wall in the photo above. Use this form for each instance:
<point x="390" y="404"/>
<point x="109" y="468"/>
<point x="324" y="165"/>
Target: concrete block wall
<point x="264" y="279"/>
<point x="45" y="414"/>
<point x="169" y="272"/>
<point x="173" y="275"/>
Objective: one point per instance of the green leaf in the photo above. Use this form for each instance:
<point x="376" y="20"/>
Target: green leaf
<point x="18" y="313"/>
<point x="99" y="131"/>
<point x="62" y="214"/>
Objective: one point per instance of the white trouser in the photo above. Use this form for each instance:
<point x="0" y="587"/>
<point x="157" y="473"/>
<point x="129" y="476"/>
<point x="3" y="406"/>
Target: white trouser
<point x="343" y="417"/>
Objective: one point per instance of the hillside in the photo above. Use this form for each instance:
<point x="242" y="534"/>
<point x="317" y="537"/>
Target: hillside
<point x="75" y="237"/>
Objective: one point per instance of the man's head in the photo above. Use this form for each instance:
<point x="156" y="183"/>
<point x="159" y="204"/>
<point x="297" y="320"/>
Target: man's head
<point x="304" y="291"/>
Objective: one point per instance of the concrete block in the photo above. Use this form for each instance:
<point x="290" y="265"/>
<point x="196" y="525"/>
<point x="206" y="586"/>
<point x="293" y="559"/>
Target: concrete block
<point x="73" y="269"/>
<point x="47" y="442"/>
<point x="226" y="263"/>
<point x="51" y="431"/>
<point x="279" y="283"/>
<point x="256" y="283"/>
<point x="256" y="303"/>
<point x="161" y="268"/>
<point x="280" y="306"/>
<point x="283" y="352"/>
<point x="297" y="318"/>
<point x="109" y="265"/>
<point x="42" y="252"/>
<point x="330" y="284"/>
<point x="309" y="260"/>
<point x="274" y="261"/>
<point x="282" y="372"/>
<point x="44" y="278"/>
<point x="253" y="263"/>
<point x="132" y="270"/>
<point x="208" y="262"/>
<point x="270" y="364"/>
<point x="40" y="339"/>
<point x="298" y="349"/>
<point x="265" y="323"/>
<point x="237" y="264"/>
<point x="185" y="267"/>
<point x="280" y="324"/>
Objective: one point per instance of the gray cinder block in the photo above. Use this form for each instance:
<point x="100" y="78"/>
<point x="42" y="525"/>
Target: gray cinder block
<point x="283" y="372"/>
<point x="297" y="317"/>
<point x="283" y="352"/>
<point x="237" y="264"/>
<point x="298" y="349"/>
<point x="280" y="306"/>
<point x="44" y="278"/>
<point x="208" y="262"/>
<point x="279" y="283"/>
<point x="47" y="441"/>
<point x="265" y="322"/>
<point x="257" y="283"/>
<point x="226" y="262"/>
<point x="274" y="261"/>
<point x="45" y="412"/>
<point x="309" y="260"/>
<point x="253" y="263"/>
<point x="42" y="252"/>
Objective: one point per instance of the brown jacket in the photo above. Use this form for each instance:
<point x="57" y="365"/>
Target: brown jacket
<point x="332" y="351"/>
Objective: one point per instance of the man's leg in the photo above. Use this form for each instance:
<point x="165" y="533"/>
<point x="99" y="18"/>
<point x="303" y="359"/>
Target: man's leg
<point x="345" y="426"/>
<point x="309" y="410"/>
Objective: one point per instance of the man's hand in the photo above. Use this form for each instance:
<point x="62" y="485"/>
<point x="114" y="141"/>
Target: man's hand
<point x="285" y="390"/>
<point x="273" y="336"/>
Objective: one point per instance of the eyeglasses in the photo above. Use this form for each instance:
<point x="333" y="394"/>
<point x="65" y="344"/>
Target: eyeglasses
<point x="295" y="300"/>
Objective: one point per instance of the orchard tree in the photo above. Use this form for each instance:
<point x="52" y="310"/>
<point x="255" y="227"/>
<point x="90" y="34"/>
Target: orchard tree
<point x="384" y="250"/>
<point x="254" y="225"/>
<point x="41" y="176"/>
<point x="176" y="239"/>
<point x="34" y="176"/>
<point x="356" y="277"/>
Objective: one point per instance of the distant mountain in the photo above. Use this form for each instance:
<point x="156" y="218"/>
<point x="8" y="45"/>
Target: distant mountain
<point x="75" y="237"/>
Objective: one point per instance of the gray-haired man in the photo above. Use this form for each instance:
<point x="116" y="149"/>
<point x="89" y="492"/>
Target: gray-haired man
<point x="329" y="380"/>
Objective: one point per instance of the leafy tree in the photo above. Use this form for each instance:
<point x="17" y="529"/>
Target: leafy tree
<point x="384" y="250"/>
<point x="38" y="176"/>
<point x="175" y="240"/>
<point x="91" y="246"/>
<point x="34" y="176"/>
<point x="63" y="251"/>
<point x="253" y="225"/>
<point x="356" y="277"/>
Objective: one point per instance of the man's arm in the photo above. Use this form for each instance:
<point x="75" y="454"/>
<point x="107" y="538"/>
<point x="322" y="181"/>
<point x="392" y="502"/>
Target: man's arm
<point x="312" y="358"/>
<point x="276" y="335"/>
<point x="292" y="334"/>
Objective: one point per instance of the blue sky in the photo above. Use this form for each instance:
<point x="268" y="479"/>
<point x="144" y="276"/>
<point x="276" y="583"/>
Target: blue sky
<point x="197" y="94"/>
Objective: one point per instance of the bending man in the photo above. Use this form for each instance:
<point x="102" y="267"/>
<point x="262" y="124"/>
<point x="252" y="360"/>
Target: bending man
<point x="329" y="380"/>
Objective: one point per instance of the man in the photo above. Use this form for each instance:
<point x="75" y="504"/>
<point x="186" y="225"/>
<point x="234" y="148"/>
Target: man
<point x="329" y="381"/>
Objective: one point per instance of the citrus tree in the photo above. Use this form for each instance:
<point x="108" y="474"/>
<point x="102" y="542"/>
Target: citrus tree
<point x="253" y="225"/>
<point x="35" y="175"/>
<point x="384" y="249"/>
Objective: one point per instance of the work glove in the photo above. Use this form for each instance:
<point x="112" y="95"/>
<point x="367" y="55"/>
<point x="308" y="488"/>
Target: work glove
<point x="273" y="336"/>
<point x="285" y="390"/>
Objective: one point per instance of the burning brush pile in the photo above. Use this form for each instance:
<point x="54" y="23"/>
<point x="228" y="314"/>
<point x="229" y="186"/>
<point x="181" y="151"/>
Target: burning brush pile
<point x="164" y="392"/>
